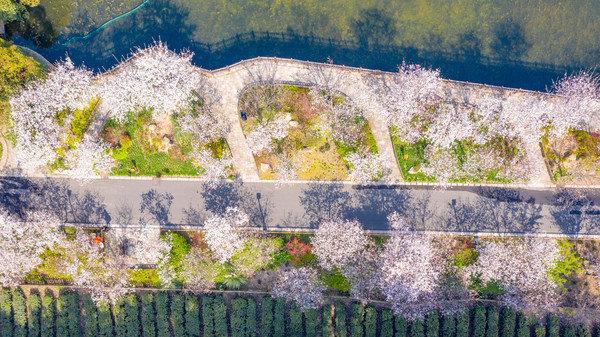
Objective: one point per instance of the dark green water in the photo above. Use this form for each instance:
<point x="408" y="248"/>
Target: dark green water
<point x="518" y="43"/>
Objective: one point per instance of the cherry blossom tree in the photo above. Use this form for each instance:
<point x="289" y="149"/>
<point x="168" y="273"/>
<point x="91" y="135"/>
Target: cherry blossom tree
<point x="153" y="77"/>
<point x="580" y="108"/>
<point x="521" y="267"/>
<point x="90" y="158"/>
<point x="337" y="242"/>
<point x="222" y="232"/>
<point x="261" y="138"/>
<point x="141" y="244"/>
<point x="411" y="270"/>
<point x="36" y="108"/>
<point x="300" y="286"/>
<point x="214" y="169"/>
<point x="366" y="168"/>
<point x="21" y="243"/>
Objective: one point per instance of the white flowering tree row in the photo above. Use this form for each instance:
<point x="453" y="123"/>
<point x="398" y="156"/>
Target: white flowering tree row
<point x="154" y="77"/>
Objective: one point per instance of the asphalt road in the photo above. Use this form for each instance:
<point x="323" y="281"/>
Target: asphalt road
<point x="305" y="205"/>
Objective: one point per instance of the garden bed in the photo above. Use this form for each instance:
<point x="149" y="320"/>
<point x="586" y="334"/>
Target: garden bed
<point x="146" y="146"/>
<point x="292" y="135"/>
<point x="573" y="158"/>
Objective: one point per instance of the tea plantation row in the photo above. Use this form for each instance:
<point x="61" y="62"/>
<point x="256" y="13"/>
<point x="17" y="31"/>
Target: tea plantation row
<point x="162" y="314"/>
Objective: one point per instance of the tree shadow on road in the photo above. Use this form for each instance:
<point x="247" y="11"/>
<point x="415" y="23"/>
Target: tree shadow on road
<point x="155" y="207"/>
<point x="324" y="202"/>
<point x="574" y="211"/>
<point x="375" y="204"/>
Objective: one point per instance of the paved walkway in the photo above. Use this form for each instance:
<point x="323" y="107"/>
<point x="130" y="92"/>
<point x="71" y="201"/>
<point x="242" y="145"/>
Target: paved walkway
<point x="299" y="206"/>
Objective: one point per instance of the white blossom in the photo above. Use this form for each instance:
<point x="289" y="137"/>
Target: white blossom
<point x="300" y="286"/>
<point x="521" y="267"/>
<point x="90" y="158"/>
<point x="154" y="77"/>
<point x="34" y="111"/>
<point x="336" y="242"/>
<point x="365" y="168"/>
<point x="222" y="232"/>
<point x="214" y="169"/>
<point x="261" y="138"/>
<point x="22" y="242"/>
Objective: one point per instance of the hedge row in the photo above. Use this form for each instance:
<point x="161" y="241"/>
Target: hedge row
<point x="166" y="314"/>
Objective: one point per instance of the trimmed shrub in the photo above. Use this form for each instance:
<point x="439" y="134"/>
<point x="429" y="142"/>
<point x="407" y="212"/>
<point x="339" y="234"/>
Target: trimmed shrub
<point x="118" y="311"/>
<point x="401" y="327"/>
<point x="493" y="318"/>
<point x="266" y="317"/>
<point x="148" y="315"/>
<point x="62" y="317"/>
<point x="105" y="321"/>
<point x="569" y="331"/>
<point x="341" y="328"/>
<point x="327" y="321"/>
<point x="553" y="326"/>
<point x="523" y="329"/>
<point x="539" y="331"/>
<point x="6" y="312"/>
<point x="584" y="331"/>
<point x="387" y="323"/>
<point x="208" y="326"/>
<point x="34" y="303"/>
<point x="73" y="313"/>
<point x="448" y="326"/>
<point x="370" y="322"/>
<point x="462" y="324"/>
<point x="479" y="321"/>
<point x="251" y="330"/>
<point x="161" y="302"/>
<point x="237" y="319"/>
<point x="433" y="324"/>
<point x="192" y="316"/>
<point x="176" y="314"/>
<point x="19" y="313"/>
<point x="310" y="323"/>
<point x="90" y="317"/>
<point x="47" y="323"/>
<point x="132" y="317"/>
<point x="220" y="316"/>
<point x="295" y="323"/>
<point x="356" y="322"/>
<point x="417" y="329"/>
<point x="508" y="323"/>
<point x="279" y="318"/>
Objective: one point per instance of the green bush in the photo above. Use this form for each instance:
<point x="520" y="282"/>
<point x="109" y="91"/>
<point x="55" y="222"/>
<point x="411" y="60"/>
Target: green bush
<point x="370" y="322"/>
<point x="177" y="311"/>
<point x="493" y="318"/>
<point x="462" y="324"/>
<point x="356" y="322"/>
<point x="6" y="312"/>
<point x="523" y="328"/>
<point x="569" y="331"/>
<point x="387" y="323"/>
<point x="310" y="323"/>
<point x="486" y="290"/>
<point x="161" y="302"/>
<point x="584" y="331"/>
<point x="47" y="322"/>
<point x="237" y="320"/>
<point x="539" y="331"/>
<point x="192" y="316"/>
<point x="327" y="319"/>
<point x="341" y="325"/>
<point x="62" y="316"/>
<point x="90" y="317"/>
<point x="553" y="326"/>
<point x="479" y="321"/>
<point x="118" y="311"/>
<point x="417" y="329"/>
<point x="105" y="321"/>
<point x="67" y="314"/>
<point x="569" y="264"/>
<point x="433" y="324"/>
<point x="220" y="316"/>
<point x="508" y="323"/>
<point x="401" y="327"/>
<point x="465" y="257"/>
<point x="335" y="280"/>
<point x="148" y="315"/>
<point x="279" y="318"/>
<point x="295" y="323"/>
<point x="19" y="313"/>
<point x="34" y="304"/>
<point x="144" y="278"/>
<point x="266" y="317"/>
<point x="180" y="248"/>
<point x="208" y="321"/>
<point x="251" y="324"/>
<point x="448" y="326"/>
<point x="132" y="318"/>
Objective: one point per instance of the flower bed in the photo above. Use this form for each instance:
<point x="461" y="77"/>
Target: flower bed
<point x="297" y="133"/>
<point x="573" y="157"/>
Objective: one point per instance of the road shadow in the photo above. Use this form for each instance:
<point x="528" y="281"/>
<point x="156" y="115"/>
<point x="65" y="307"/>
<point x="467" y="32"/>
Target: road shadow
<point x="575" y="211"/>
<point x="155" y="207"/>
<point x="323" y="202"/>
